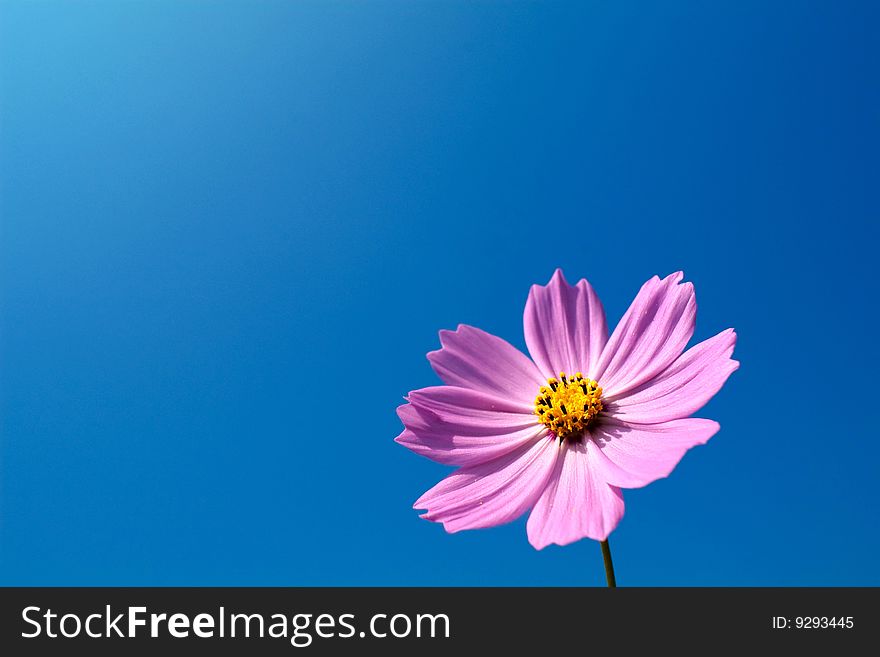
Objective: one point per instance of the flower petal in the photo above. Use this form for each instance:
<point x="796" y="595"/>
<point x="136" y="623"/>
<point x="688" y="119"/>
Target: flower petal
<point x="491" y="493"/>
<point x="683" y="388"/>
<point x="633" y="455"/>
<point x="474" y="408"/>
<point x="577" y="502"/>
<point x="652" y="333"/>
<point x="471" y="358"/>
<point x="456" y="444"/>
<point x="565" y="327"/>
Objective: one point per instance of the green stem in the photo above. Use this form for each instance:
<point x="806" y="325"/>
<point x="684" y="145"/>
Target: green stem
<point x="609" y="567"/>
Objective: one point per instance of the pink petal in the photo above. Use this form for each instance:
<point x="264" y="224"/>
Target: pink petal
<point x="633" y="455"/>
<point x="577" y="502"/>
<point x="651" y="334"/>
<point x="471" y="358"/>
<point x="456" y="444"/>
<point x="491" y="493"/>
<point x="564" y="326"/>
<point x="474" y="408"/>
<point x="683" y="388"/>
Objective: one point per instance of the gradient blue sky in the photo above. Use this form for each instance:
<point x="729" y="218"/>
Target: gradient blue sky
<point x="211" y="215"/>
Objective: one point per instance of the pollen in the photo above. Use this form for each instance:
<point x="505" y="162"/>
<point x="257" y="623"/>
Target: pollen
<point x="566" y="405"/>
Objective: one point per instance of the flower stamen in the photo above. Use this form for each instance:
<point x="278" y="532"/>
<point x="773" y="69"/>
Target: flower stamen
<point x="566" y="405"/>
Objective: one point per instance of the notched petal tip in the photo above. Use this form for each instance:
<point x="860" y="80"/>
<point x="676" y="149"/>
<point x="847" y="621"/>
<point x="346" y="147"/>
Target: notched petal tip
<point x="676" y="281"/>
<point x="420" y="504"/>
<point x="446" y="334"/>
<point x="426" y="516"/>
<point x="413" y="396"/>
<point x="556" y="278"/>
<point x="459" y="328"/>
<point x="731" y="337"/>
<point x="448" y="527"/>
<point x="712" y="427"/>
<point x="562" y="542"/>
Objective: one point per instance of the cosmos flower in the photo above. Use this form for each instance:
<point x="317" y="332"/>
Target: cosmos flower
<point x="562" y="433"/>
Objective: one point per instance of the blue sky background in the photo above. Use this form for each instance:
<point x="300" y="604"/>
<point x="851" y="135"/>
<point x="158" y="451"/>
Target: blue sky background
<point x="211" y="215"/>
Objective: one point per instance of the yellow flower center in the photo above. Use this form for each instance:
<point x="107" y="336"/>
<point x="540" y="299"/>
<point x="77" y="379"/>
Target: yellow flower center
<point x="566" y="406"/>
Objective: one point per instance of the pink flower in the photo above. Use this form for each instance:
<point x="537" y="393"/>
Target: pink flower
<point x="562" y="433"/>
